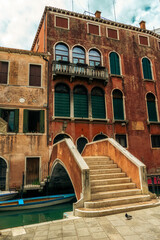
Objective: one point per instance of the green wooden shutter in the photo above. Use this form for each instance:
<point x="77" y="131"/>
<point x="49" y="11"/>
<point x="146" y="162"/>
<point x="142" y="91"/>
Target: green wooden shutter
<point x="42" y="121"/>
<point x="146" y="69"/>
<point x="80" y="105"/>
<point x="152" y="113"/>
<point x="118" y="108"/>
<point x="98" y="107"/>
<point x="114" y="63"/>
<point x="62" y="104"/>
<point x="16" y="120"/>
<point x="25" y="121"/>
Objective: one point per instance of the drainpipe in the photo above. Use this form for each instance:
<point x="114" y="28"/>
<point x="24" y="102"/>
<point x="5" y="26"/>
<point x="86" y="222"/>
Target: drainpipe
<point x="47" y="102"/>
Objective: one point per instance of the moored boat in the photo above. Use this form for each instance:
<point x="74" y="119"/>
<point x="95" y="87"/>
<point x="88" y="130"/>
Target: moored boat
<point x="36" y="202"/>
<point x="6" y="195"/>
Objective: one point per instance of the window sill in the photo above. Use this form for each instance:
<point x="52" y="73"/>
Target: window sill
<point x="120" y="121"/>
<point x="115" y="75"/>
<point x="79" y="118"/>
<point x="148" y="80"/>
<point x="34" y="134"/>
<point x="153" y="122"/>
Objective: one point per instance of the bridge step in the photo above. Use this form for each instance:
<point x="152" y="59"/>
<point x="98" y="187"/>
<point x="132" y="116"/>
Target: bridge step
<point x="107" y="176"/>
<point x="113" y="187"/>
<point x="105" y="171"/>
<point x="97" y="160"/>
<point x="110" y="181"/>
<point x="108" y="166"/>
<point x="116" y="201"/>
<point x="97" y="212"/>
<point x="114" y="194"/>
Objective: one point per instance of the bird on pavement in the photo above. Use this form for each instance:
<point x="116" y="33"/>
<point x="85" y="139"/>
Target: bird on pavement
<point x="128" y="217"/>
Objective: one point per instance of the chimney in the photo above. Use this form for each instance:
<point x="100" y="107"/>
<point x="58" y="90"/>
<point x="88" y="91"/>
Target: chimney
<point x="98" y="14"/>
<point x="142" y="24"/>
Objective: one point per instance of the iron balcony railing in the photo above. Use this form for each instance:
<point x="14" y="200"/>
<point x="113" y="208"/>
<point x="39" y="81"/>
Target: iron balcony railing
<point x="79" y="70"/>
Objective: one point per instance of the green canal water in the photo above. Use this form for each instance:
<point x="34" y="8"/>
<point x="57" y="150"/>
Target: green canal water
<point x="26" y="217"/>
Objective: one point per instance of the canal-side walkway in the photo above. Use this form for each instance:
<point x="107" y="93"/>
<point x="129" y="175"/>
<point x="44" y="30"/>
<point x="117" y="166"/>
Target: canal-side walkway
<point x="144" y="225"/>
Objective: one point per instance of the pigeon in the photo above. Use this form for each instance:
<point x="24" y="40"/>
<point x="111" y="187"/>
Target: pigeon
<point x="128" y="217"/>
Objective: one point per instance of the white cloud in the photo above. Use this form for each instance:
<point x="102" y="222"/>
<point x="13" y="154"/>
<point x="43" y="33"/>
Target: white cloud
<point x="19" y="19"/>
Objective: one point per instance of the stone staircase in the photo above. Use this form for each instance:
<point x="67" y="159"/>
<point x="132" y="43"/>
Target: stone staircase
<point x="111" y="190"/>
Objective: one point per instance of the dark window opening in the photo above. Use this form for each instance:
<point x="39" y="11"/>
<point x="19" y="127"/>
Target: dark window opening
<point x="12" y="118"/>
<point x="3" y="170"/>
<point x="99" y="137"/>
<point x="121" y="139"/>
<point x="33" y="121"/>
<point x="155" y="139"/>
<point x="81" y="142"/>
<point x="3" y="72"/>
<point x="60" y="137"/>
<point x="35" y="75"/>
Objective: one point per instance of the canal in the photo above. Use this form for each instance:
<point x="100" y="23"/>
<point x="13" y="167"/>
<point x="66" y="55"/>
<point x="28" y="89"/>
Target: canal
<point x="27" y="217"/>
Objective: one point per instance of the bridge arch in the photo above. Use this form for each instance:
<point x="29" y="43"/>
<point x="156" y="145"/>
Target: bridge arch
<point x="60" y="180"/>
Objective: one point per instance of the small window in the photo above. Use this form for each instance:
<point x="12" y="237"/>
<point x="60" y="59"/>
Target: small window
<point x="100" y="136"/>
<point x="112" y="33"/>
<point x="93" y="29"/>
<point x="11" y="116"/>
<point x="61" y="52"/>
<point x="143" y="40"/>
<point x="151" y="107"/>
<point x="118" y="105"/>
<point x="147" y="72"/>
<point x="155" y="139"/>
<point x="3" y="72"/>
<point x="94" y="57"/>
<point x="60" y="137"/>
<point x="35" y="75"/>
<point x="114" y="63"/>
<point x="33" y="121"/>
<point x="78" y="55"/>
<point x="62" y="22"/>
<point x="121" y="139"/>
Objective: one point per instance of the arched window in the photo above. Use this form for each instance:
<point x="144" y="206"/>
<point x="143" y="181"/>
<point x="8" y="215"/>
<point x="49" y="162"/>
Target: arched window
<point x="146" y="65"/>
<point x="62" y="100"/>
<point x="94" y="57"/>
<point x="60" y="137"/>
<point x="100" y="136"/>
<point x="81" y="142"/>
<point x="3" y="169"/>
<point x="80" y="102"/>
<point x="118" y="105"/>
<point x="98" y="103"/>
<point x="151" y="107"/>
<point x="78" y="55"/>
<point x="114" y="63"/>
<point x="61" y="52"/>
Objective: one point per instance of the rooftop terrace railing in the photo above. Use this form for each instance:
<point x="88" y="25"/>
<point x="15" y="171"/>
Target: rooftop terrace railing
<point x="80" y="70"/>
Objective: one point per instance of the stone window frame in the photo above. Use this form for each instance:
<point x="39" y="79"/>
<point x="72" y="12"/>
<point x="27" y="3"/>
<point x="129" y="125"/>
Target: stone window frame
<point x="113" y="29"/>
<point x="3" y="60"/>
<point x="142" y="35"/>
<point x="38" y="64"/>
<point x="99" y="35"/>
<point x="61" y="16"/>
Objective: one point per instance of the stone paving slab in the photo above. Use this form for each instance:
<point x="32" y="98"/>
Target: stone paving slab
<point x="144" y="225"/>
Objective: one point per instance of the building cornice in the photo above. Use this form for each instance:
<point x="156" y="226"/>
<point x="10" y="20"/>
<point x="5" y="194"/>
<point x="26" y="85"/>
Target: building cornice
<point x="22" y="51"/>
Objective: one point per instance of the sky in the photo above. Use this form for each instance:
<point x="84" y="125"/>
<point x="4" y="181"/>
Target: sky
<point x="19" y="19"/>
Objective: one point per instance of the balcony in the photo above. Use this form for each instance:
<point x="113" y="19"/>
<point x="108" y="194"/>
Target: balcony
<point x="80" y="70"/>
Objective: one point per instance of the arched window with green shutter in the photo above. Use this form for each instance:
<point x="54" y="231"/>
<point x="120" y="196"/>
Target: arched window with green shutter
<point x="114" y="63"/>
<point x="146" y="65"/>
<point x="98" y="103"/>
<point x="151" y="107"/>
<point x="62" y="100"/>
<point x="118" y="105"/>
<point x="80" y="97"/>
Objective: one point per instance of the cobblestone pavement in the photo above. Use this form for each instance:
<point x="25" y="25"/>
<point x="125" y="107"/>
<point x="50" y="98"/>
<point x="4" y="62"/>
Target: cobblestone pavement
<point x="144" y="225"/>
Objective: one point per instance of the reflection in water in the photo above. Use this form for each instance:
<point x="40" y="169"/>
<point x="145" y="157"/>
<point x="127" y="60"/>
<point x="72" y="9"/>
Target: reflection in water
<point x="26" y="217"/>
